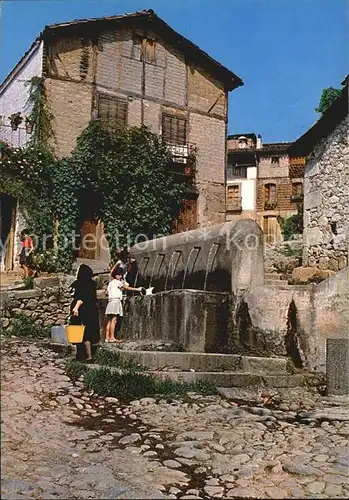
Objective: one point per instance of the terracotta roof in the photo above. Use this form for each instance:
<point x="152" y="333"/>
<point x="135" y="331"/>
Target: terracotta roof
<point x="266" y="149"/>
<point x="333" y="115"/>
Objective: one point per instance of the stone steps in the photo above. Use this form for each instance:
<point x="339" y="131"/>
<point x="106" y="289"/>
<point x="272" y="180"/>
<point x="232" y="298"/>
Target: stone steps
<point x="222" y="379"/>
<point x="203" y="362"/>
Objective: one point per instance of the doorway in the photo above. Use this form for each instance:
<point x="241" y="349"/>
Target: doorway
<point x="7" y="231"/>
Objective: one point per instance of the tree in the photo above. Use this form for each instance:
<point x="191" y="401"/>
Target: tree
<point x="328" y="96"/>
<point x="128" y="171"/>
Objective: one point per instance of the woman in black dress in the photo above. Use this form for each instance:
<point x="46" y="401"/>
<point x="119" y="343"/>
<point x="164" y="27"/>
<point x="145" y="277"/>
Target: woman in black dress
<point x="84" y="308"/>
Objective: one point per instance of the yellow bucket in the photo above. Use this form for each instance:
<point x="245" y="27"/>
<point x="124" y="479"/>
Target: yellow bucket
<point x="75" y="333"/>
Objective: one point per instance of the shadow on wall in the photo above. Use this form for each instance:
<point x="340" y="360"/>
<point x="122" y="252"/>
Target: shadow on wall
<point x="292" y="338"/>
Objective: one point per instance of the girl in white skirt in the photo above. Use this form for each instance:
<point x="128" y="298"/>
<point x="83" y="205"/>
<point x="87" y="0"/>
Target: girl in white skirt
<point x="114" y="307"/>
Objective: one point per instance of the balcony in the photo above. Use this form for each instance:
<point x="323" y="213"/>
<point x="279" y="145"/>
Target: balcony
<point x="15" y="138"/>
<point x="181" y="153"/>
<point x="183" y="159"/>
<point x="236" y="172"/>
<point x="234" y="205"/>
<point x="270" y="205"/>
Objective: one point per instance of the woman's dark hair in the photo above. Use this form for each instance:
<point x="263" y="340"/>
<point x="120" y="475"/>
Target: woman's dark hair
<point x="24" y="232"/>
<point x="84" y="272"/>
<point x="117" y="272"/>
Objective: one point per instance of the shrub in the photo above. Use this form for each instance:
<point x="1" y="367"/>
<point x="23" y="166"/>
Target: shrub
<point x="28" y="282"/>
<point x="23" y="326"/>
<point x="75" y="369"/>
<point x="125" y="386"/>
<point x="45" y="261"/>
<point x="108" y="357"/>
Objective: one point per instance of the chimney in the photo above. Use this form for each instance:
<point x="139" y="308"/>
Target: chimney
<point x="259" y="142"/>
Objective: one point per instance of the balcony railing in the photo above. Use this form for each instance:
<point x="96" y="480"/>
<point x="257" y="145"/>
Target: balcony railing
<point x="234" y="205"/>
<point x="236" y="172"/>
<point x="181" y="153"/>
<point x="270" y="205"/>
<point x="15" y="138"/>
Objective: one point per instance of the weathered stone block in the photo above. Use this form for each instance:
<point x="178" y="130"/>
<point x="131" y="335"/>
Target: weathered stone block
<point x="337" y="366"/>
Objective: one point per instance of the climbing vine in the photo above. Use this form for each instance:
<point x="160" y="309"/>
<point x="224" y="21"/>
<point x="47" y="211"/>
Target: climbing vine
<point x="125" y="176"/>
<point x="40" y="115"/>
<point x="127" y="173"/>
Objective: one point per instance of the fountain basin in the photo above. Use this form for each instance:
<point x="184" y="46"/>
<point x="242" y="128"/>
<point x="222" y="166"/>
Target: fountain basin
<point x="194" y="320"/>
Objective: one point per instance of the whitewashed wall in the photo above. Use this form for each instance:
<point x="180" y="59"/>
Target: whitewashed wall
<point x="14" y="95"/>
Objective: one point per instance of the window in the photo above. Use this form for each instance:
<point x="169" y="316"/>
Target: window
<point x="237" y="172"/>
<point x="275" y="160"/>
<point x="137" y="47"/>
<point x="270" y="193"/>
<point x="112" y="111"/>
<point x="144" y="49"/>
<point x="174" y="130"/>
<point x="297" y="189"/>
<point x="234" y="198"/>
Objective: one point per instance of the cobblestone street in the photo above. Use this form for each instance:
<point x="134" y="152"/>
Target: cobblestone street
<point x="59" y="441"/>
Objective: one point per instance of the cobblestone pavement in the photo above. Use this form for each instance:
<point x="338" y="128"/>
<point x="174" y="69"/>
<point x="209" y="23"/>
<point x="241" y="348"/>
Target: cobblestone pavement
<point x="59" y="441"/>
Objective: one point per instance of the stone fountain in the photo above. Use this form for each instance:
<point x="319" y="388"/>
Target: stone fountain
<point x="197" y="278"/>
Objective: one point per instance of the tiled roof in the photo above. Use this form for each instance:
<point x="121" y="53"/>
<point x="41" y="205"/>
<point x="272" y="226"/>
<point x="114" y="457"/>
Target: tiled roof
<point x="192" y="51"/>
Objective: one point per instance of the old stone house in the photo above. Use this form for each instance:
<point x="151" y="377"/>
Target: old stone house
<point x="132" y="70"/>
<point x="262" y="182"/>
<point x="326" y="194"/>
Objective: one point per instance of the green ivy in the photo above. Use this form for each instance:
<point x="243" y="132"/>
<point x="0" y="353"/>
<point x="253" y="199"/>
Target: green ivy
<point x="40" y="116"/>
<point x="128" y="171"/>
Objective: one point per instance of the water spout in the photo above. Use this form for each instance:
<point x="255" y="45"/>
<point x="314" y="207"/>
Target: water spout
<point x="154" y="267"/>
<point x="171" y="267"/>
<point x="210" y="261"/>
<point x="194" y="249"/>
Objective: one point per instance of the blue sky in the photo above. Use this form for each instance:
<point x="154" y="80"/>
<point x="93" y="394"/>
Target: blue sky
<point x="286" y="51"/>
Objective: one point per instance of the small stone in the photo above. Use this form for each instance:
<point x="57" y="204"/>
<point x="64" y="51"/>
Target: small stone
<point x="333" y="490"/>
<point x="172" y="464"/>
<point x="274" y="492"/>
<point x="150" y="454"/>
<point x="160" y="447"/>
<point x="316" y="487"/>
<point x="185" y="452"/>
<point x="109" y="399"/>
<point x="214" y="491"/>
<point x="212" y="482"/>
<point x="132" y="438"/>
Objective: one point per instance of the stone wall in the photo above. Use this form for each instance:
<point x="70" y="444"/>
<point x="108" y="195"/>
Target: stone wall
<point x="307" y="315"/>
<point x="326" y="202"/>
<point x="47" y="303"/>
<point x="14" y="96"/>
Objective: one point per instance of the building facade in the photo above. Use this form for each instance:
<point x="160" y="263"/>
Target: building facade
<point x="262" y="182"/>
<point x="132" y="70"/>
<point x="326" y="195"/>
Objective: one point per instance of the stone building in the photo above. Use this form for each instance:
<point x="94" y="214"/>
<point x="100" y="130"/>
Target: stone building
<point x="132" y="70"/>
<point x="326" y="196"/>
<point x="262" y="182"/>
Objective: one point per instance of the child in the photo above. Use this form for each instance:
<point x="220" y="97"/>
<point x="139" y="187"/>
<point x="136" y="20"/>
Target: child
<point x="27" y="248"/>
<point x="114" y="307"/>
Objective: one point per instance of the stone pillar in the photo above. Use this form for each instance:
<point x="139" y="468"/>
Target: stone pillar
<point x="337" y="366"/>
